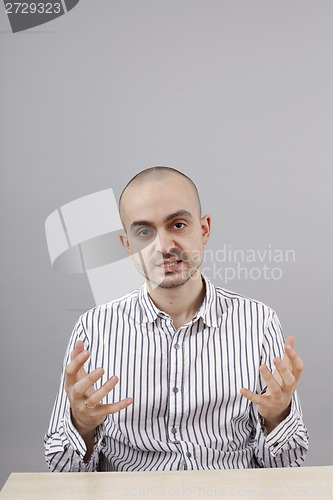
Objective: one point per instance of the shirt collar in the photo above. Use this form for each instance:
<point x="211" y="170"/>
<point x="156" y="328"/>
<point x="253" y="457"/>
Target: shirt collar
<point x="210" y="310"/>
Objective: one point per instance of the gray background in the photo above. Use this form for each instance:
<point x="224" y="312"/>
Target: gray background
<point x="238" y="95"/>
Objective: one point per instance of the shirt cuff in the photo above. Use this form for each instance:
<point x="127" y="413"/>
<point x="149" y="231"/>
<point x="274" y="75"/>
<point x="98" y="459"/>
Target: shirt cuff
<point x="278" y="440"/>
<point x="76" y="441"/>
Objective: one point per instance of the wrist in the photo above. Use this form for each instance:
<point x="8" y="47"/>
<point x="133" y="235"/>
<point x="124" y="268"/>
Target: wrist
<point x="271" y="423"/>
<point x="84" y="431"/>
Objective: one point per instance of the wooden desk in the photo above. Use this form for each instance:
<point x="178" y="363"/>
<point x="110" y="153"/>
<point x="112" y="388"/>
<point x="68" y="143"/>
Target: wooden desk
<point x="292" y="483"/>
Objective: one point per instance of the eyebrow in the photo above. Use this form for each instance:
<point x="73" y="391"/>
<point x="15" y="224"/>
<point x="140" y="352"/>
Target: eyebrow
<point x="179" y="213"/>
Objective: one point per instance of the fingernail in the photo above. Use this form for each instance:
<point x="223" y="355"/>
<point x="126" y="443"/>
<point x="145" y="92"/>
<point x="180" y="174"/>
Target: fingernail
<point x="264" y="369"/>
<point x="114" y="378"/>
<point x="288" y="347"/>
<point x="278" y="361"/>
<point x="99" y="371"/>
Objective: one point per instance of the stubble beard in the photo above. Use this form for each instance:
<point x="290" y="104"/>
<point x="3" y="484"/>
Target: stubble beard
<point x="173" y="283"/>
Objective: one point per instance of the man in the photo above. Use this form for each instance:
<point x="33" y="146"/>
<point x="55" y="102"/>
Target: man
<point x="179" y="374"/>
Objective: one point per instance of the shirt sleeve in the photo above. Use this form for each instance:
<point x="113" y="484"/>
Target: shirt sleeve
<point x="64" y="446"/>
<point x="287" y="444"/>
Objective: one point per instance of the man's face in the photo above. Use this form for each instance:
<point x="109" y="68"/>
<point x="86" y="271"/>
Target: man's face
<point x="165" y="234"/>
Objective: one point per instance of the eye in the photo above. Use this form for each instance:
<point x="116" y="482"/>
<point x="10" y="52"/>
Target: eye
<point x="179" y="225"/>
<point x="144" y="233"/>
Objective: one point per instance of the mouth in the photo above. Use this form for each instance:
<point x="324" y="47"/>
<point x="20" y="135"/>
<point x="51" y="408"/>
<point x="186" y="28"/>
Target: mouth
<point x="170" y="265"/>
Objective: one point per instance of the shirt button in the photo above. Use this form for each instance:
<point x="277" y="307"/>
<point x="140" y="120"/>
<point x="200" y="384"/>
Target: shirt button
<point x="175" y="390"/>
<point x="188" y="454"/>
<point x="176" y="442"/>
<point x="173" y="430"/>
<point x="176" y="346"/>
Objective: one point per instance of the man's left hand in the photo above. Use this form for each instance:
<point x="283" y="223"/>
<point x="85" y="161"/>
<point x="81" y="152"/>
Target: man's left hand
<point x="274" y="404"/>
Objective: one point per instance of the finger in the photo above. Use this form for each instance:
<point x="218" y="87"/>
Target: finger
<point x="72" y="369"/>
<point x="287" y="379"/>
<point x="252" y="396"/>
<point x="81" y="387"/>
<point x="96" y="396"/>
<point x="115" y="407"/>
<point x="286" y="360"/>
<point x="271" y="382"/>
<point x="79" y="347"/>
<point x="290" y="340"/>
<point x="109" y="409"/>
<point x="296" y="362"/>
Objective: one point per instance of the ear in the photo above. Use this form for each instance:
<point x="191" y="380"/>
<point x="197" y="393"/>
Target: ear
<point x="124" y="241"/>
<point x="205" y="227"/>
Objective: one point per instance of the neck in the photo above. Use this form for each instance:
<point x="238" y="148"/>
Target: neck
<point x="180" y="302"/>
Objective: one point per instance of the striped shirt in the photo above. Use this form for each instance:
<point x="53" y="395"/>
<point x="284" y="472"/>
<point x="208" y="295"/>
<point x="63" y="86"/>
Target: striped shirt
<point x="187" y="411"/>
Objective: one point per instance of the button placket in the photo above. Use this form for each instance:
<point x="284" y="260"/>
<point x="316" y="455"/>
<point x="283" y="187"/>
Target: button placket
<point x="175" y="381"/>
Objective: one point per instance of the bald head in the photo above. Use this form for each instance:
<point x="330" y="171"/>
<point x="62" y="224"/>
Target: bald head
<point x="156" y="175"/>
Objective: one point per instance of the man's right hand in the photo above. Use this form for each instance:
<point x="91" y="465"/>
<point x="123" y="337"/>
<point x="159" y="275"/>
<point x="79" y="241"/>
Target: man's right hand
<point x="87" y="411"/>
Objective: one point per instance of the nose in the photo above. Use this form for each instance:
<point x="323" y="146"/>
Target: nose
<point x="164" y="242"/>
